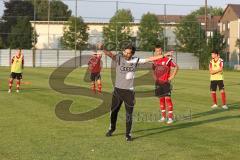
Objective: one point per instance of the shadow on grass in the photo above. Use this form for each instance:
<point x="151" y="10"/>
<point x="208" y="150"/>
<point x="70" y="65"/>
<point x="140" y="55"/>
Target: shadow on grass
<point x="170" y="128"/>
<point x="232" y="106"/>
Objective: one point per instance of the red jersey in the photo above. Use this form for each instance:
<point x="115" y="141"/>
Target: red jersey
<point x="94" y="64"/>
<point x="162" y="69"/>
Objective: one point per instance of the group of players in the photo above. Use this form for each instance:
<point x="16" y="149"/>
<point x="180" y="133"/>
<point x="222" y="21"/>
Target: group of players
<point x="164" y="69"/>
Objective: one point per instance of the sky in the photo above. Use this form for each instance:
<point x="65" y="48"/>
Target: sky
<point x="101" y="11"/>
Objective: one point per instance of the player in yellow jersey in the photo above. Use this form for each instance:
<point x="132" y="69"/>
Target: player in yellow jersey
<point x="216" y="78"/>
<point x="16" y="70"/>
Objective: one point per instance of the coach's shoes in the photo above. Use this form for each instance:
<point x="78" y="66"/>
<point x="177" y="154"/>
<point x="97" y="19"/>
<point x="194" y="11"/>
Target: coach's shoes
<point x="214" y="106"/>
<point x="109" y="133"/>
<point x="9" y="91"/>
<point x="170" y="121"/>
<point x="225" y="107"/>
<point x="163" y="119"/>
<point x="129" y="138"/>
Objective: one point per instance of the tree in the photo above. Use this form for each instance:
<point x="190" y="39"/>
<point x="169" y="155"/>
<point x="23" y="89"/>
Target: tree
<point x="216" y="42"/>
<point x="238" y="45"/>
<point x="21" y="34"/>
<point x="189" y="34"/>
<point x="150" y="32"/>
<point x="118" y="29"/>
<point x="70" y="37"/>
<point x="1" y="43"/>
<point x="13" y="10"/>
<point x="213" y="11"/>
<point x="191" y="38"/>
<point x="59" y="11"/>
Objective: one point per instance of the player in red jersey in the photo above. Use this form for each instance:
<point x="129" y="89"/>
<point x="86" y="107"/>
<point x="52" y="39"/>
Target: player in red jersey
<point x="163" y="76"/>
<point x="94" y="66"/>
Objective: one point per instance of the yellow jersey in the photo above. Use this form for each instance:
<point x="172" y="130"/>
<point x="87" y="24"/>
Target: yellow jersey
<point x="17" y="64"/>
<point x="215" y="65"/>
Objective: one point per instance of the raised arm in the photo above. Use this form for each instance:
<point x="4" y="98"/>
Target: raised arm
<point x="110" y="54"/>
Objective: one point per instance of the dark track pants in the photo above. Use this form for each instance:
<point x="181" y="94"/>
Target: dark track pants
<point x="120" y="96"/>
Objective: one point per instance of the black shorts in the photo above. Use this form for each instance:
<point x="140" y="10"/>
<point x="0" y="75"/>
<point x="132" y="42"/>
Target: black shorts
<point x="95" y="76"/>
<point x="163" y="90"/>
<point x="214" y="84"/>
<point x="17" y="76"/>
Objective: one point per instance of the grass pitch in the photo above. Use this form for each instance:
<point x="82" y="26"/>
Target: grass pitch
<point x="31" y="130"/>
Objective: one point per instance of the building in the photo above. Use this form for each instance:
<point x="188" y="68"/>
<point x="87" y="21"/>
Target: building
<point x="49" y="33"/>
<point x="229" y="25"/>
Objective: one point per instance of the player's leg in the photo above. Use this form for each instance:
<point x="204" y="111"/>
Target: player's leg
<point x="115" y="107"/>
<point x="99" y="83"/>
<point x="93" y="86"/>
<point x="10" y="81"/>
<point x="170" y="109"/>
<point x="223" y="94"/>
<point x="213" y="89"/>
<point x="129" y="101"/>
<point x="168" y="99"/>
<point x="19" y="77"/>
<point x="159" y="93"/>
<point x="162" y="109"/>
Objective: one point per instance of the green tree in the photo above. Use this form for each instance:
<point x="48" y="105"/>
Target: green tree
<point x="21" y="34"/>
<point x="1" y="43"/>
<point x="70" y="37"/>
<point x="191" y="38"/>
<point x="59" y="11"/>
<point x="150" y="32"/>
<point x="118" y="29"/>
<point x="213" y="11"/>
<point x="237" y="43"/>
<point x="189" y="34"/>
<point x="13" y="10"/>
<point x="216" y="42"/>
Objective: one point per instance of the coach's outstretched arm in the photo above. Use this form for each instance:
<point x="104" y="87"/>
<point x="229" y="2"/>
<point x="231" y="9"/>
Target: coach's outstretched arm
<point x="110" y="54"/>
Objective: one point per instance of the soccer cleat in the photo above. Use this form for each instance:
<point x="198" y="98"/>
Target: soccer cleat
<point x="162" y="119"/>
<point x="9" y="91"/>
<point x="170" y="121"/>
<point x="225" y="106"/>
<point x="129" y="138"/>
<point x="214" y="106"/>
<point x="109" y="133"/>
<point x="17" y="91"/>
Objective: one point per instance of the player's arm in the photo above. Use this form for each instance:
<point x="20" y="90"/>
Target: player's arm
<point x="110" y="54"/>
<point x="23" y="63"/>
<point x="212" y="72"/>
<point x="150" y="59"/>
<point x="174" y="73"/>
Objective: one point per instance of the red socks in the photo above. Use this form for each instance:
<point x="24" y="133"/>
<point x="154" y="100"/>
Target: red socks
<point x="214" y="97"/>
<point x="168" y="101"/>
<point x="10" y="82"/>
<point x="223" y="95"/>
<point x="163" y="106"/>
<point x="170" y="107"/>
<point x="100" y="88"/>
<point x="18" y="85"/>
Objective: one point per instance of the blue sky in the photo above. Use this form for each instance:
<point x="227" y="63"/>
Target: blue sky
<point x="107" y="8"/>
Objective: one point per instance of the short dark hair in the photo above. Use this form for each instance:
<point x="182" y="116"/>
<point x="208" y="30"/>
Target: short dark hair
<point x="158" y="46"/>
<point x="130" y="46"/>
<point x="215" y="51"/>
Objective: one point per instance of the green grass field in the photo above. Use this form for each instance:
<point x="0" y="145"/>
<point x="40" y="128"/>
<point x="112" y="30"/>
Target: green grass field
<point x="30" y="129"/>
